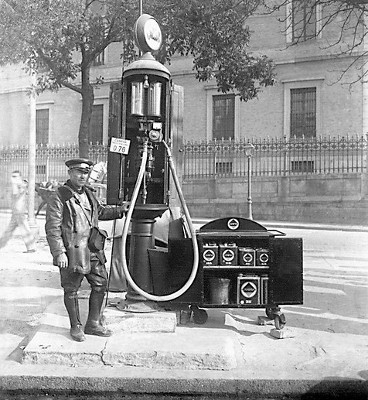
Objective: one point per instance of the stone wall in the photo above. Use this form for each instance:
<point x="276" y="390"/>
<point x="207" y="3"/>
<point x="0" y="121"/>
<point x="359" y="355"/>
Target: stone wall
<point x="333" y="199"/>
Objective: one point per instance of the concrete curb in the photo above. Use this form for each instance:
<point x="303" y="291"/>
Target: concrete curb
<point x="161" y="387"/>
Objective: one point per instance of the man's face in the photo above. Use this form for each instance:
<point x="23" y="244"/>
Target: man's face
<point x="78" y="177"/>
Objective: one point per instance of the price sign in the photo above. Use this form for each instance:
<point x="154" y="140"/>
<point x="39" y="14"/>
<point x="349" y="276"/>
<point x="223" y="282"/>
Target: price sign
<point x="119" y="145"/>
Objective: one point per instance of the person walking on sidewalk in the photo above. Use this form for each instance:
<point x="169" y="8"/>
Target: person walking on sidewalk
<point x="72" y="215"/>
<point x="19" y="214"/>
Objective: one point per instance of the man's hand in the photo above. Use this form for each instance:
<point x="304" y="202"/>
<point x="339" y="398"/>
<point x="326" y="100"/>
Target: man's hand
<point x="62" y="260"/>
<point x="125" y="206"/>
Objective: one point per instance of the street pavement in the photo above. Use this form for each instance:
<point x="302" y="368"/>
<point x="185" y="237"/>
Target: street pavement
<point x="323" y="352"/>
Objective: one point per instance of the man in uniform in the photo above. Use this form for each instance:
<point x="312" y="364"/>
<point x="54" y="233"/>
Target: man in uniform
<point x="71" y="213"/>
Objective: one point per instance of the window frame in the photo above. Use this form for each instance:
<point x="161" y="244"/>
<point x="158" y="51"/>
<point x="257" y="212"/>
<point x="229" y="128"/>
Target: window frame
<point x="224" y="97"/>
<point x="210" y="91"/>
<point x="290" y="24"/>
<point x="41" y="135"/>
<point x="91" y="140"/>
<point x="299" y="84"/>
<point x="100" y="59"/>
<point x="303" y="93"/>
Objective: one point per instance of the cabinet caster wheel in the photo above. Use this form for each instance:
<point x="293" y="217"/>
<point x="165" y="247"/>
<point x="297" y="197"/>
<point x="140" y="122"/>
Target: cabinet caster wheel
<point x="280" y="321"/>
<point x="185" y="316"/>
<point x="270" y="313"/>
<point x="200" y="316"/>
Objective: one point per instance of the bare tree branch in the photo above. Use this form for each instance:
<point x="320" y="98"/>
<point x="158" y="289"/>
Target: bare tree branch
<point x="340" y="27"/>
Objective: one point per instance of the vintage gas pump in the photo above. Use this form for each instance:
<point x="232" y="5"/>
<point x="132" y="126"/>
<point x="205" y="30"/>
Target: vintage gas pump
<point x="229" y="262"/>
<point x="141" y="173"/>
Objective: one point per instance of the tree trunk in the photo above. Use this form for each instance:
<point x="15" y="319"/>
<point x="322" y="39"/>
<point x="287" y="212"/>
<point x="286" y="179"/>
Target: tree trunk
<point x="87" y="104"/>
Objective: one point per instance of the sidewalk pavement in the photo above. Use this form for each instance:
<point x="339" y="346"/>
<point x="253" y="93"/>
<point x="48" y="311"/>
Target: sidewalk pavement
<point x="231" y="356"/>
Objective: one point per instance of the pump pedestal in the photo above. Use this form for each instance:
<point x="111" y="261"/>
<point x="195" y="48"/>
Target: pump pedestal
<point x="141" y="240"/>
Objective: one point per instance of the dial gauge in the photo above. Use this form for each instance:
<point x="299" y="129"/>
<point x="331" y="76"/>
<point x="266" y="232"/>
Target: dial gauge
<point x="148" y="33"/>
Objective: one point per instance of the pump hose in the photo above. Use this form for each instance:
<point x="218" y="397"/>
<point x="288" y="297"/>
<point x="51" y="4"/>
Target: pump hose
<point x="128" y="276"/>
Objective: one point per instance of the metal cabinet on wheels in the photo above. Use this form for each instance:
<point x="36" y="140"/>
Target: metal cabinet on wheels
<point x="244" y="265"/>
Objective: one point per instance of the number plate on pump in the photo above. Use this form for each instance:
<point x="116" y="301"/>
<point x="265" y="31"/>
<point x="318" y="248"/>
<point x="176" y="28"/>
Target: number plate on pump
<point x="119" y="145"/>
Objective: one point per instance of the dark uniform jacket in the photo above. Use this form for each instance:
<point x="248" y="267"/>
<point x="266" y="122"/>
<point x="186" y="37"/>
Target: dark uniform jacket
<point x="68" y="228"/>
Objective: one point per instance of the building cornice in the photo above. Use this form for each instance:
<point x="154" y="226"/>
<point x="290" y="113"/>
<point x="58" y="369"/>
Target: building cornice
<point x="14" y="90"/>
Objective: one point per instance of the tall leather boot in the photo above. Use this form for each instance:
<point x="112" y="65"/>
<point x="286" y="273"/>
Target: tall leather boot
<point x="93" y="324"/>
<point x="72" y="306"/>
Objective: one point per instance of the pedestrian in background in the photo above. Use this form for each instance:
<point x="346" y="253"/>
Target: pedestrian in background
<point x="77" y="245"/>
<point x="44" y="190"/>
<point x="19" y="213"/>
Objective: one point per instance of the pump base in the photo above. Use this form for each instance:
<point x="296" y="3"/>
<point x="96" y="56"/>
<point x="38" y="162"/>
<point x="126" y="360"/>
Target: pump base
<point x="138" y="306"/>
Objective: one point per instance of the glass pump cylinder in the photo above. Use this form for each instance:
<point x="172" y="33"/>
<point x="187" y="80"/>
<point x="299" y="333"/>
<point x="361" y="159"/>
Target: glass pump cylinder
<point x="137" y="99"/>
<point x="154" y="100"/>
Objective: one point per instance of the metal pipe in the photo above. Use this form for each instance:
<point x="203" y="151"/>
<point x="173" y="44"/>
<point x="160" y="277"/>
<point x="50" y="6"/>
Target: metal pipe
<point x="250" y="213"/>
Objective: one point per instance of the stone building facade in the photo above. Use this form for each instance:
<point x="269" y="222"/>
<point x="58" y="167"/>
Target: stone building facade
<point x="309" y="88"/>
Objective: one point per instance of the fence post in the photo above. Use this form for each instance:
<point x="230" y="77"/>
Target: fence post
<point x="284" y="152"/>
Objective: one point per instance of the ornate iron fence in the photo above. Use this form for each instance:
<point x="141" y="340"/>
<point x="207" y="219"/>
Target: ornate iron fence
<point x="217" y="158"/>
<point x="49" y="160"/>
<point x="276" y="156"/>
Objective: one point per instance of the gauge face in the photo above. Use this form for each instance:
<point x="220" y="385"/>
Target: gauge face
<point x="148" y="33"/>
<point x="152" y="34"/>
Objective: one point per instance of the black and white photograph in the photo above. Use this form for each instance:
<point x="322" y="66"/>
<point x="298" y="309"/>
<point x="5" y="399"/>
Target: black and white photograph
<point x="183" y="199"/>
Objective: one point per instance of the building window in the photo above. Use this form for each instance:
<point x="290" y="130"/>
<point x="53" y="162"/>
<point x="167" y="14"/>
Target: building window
<point x="42" y="126"/>
<point x="99" y="60"/>
<point x="302" y="166"/>
<point x="96" y="125"/>
<point x="99" y="9"/>
<point x="223" y="117"/>
<point x="41" y="169"/>
<point x="224" y="167"/>
<point x="303" y="112"/>
<point x="303" y="20"/>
